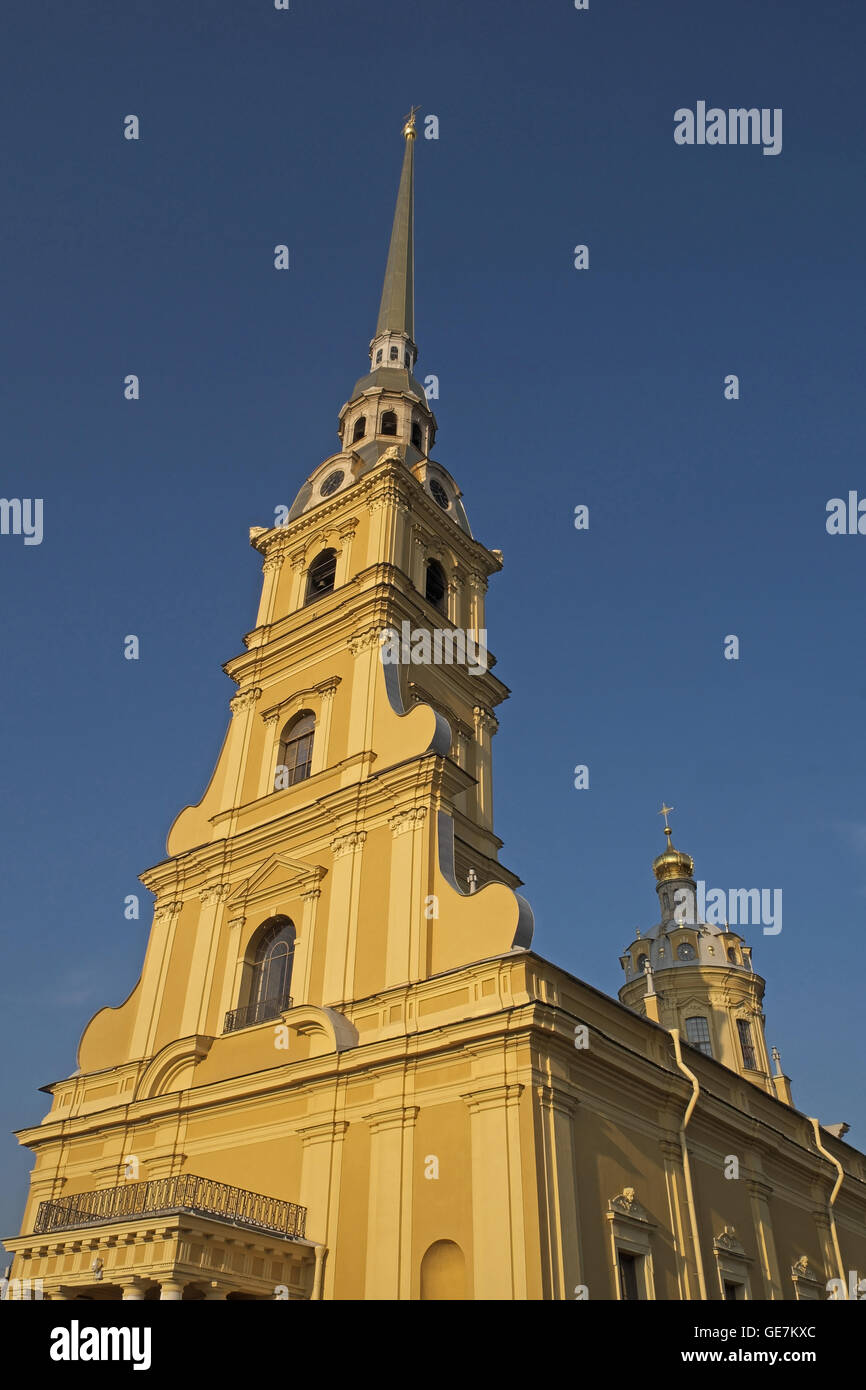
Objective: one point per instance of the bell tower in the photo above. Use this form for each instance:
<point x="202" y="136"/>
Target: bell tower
<point x="345" y="843"/>
<point x="698" y="977"/>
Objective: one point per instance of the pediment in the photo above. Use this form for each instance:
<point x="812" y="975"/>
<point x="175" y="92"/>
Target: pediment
<point x="279" y="876"/>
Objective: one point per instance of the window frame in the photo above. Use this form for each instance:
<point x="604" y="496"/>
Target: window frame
<point x="311" y="596"/>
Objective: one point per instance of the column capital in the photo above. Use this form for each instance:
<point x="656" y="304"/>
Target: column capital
<point x="492" y="1097"/>
<point x="245" y="699"/>
<point x="329" y="1131"/>
<point x="560" y="1096"/>
<point x="400" y="1117"/>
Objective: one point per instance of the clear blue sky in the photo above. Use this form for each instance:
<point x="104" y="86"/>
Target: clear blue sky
<point x="558" y="387"/>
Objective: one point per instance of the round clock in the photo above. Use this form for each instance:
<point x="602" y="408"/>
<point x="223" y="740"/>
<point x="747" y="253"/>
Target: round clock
<point x="439" y="494"/>
<point x="686" y="951"/>
<point x="331" y="483"/>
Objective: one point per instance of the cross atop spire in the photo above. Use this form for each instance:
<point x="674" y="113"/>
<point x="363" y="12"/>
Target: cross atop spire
<point x="665" y="811"/>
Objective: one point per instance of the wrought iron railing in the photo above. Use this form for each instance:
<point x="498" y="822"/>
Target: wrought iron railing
<point x="185" y="1192"/>
<point x="260" y="1012"/>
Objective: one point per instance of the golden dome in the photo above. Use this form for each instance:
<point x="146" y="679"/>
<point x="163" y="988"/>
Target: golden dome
<point x="673" y="863"/>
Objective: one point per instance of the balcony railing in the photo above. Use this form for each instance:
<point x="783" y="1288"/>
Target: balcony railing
<point x="260" y="1012"/>
<point x="185" y="1192"/>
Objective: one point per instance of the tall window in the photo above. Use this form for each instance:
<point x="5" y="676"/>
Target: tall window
<point x="269" y="977"/>
<point x="744" y="1029"/>
<point x="698" y="1034"/>
<point x="389" y="422"/>
<point x="628" y="1287"/>
<point x="417" y="438"/>
<point x="321" y="574"/>
<point x="296" y="751"/>
<point x="435" y="585"/>
<point x="360" y="428"/>
<point x="394" y="354"/>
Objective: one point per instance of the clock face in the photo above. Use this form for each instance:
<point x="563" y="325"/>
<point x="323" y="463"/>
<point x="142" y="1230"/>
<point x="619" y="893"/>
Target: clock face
<point x="331" y="483"/>
<point x="685" y="951"/>
<point x="439" y="494"/>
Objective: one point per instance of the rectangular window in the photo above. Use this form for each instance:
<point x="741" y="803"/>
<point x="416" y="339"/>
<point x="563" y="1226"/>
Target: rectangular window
<point x="744" y="1028"/>
<point x="698" y="1034"/>
<point x="299" y="756"/>
<point x="628" y="1285"/>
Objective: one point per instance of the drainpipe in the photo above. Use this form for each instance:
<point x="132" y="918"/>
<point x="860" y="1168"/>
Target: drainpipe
<point x="840" y="1175"/>
<point x="687" y="1170"/>
<point x="321" y="1252"/>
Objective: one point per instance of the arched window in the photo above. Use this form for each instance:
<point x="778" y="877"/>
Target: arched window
<point x="269" y="975"/>
<point x="389" y="422"/>
<point x="394" y="354"/>
<point x="407" y="359"/>
<point x="417" y="437"/>
<point x="378" y="357"/>
<point x="321" y="574"/>
<point x="732" y="955"/>
<point x="698" y="1034"/>
<point x="360" y="428"/>
<point x="296" y="751"/>
<point x="435" y="586"/>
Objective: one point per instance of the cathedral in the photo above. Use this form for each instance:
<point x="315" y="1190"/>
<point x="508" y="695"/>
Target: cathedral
<point x="345" y="1072"/>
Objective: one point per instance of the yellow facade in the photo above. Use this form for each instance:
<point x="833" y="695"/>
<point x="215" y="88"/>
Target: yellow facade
<point x="435" y="1112"/>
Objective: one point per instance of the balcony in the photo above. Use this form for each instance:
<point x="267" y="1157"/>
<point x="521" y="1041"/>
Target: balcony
<point x="167" y="1196"/>
<point x="260" y="1012"/>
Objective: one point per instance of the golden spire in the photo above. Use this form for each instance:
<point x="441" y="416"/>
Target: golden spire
<point x="409" y="124"/>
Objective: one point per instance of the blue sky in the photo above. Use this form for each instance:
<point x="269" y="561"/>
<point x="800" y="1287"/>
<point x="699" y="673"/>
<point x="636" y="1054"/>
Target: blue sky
<point x="558" y="387"/>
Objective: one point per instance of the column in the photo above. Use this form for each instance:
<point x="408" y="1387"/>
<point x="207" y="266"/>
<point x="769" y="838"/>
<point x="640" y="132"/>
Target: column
<point x="298" y="561"/>
<point x="493" y="1217"/>
<point x="477" y="589"/>
<point x="321" y="740"/>
<point x="346" y="534"/>
<point x="485" y="728"/>
<point x="389" y="1211"/>
<point x="304" y="946"/>
<point x="759" y="1193"/>
<point x="171" y="1289"/>
<point x="234" y="966"/>
<point x="343" y="917"/>
<point x="320" y="1164"/>
<point x="153" y="976"/>
<point x="687" y="1284"/>
<point x="562" y="1204"/>
<point x="203" y="960"/>
<point x="270" y="579"/>
<point x="267" y="775"/>
<point x="407" y="926"/>
<point x="132" y="1290"/>
<point x="237" y="745"/>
